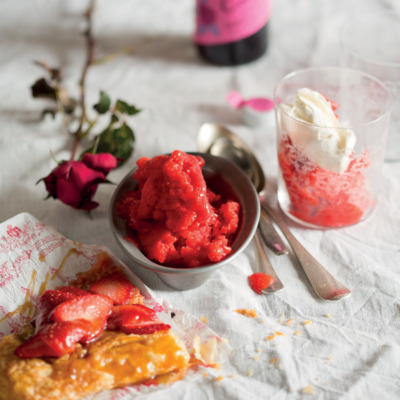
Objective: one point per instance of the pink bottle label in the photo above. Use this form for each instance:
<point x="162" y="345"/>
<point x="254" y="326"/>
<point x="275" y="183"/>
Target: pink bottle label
<point x="225" y="21"/>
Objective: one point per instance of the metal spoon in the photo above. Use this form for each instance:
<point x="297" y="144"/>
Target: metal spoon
<point x="263" y="265"/>
<point x="325" y="285"/>
<point x="219" y="141"/>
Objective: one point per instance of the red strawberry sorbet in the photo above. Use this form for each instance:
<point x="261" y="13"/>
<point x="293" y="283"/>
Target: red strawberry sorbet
<point x="322" y="197"/>
<point x="175" y="219"/>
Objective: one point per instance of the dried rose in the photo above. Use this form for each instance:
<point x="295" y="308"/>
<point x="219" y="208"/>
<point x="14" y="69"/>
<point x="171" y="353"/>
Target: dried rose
<point x="75" y="182"/>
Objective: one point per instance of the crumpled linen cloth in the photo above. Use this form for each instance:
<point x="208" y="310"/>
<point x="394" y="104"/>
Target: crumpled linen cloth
<point x="299" y="346"/>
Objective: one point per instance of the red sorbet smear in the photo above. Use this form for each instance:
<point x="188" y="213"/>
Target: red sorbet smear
<point x="323" y="197"/>
<point x="178" y="220"/>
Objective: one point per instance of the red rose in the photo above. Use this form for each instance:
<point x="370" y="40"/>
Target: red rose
<point x="75" y="182"/>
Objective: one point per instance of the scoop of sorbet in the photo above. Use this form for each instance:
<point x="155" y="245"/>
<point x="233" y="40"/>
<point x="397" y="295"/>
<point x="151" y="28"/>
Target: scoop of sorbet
<point x="178" y="221"/>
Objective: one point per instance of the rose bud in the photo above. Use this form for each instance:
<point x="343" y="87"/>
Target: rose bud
<point x="75" y="182"/>
<point x="104" y="162"/>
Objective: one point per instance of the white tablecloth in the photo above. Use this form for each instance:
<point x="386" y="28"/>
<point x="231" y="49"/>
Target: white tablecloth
<point x="299" y="346"/>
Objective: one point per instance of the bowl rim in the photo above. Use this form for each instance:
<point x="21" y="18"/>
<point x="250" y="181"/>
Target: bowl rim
<point x="158" y="268"/>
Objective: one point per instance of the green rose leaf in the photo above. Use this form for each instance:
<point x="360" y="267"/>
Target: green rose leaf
<point x="114" y="119"/>
<point x="125" y="108"/>
<point x="118" y="141"/>
<point x="104" y="103"/>
<point x="124" y="140"/>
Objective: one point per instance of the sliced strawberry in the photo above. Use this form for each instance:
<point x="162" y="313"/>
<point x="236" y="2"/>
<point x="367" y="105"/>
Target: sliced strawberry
<point x="52" y="298"/>
<point x="89" y="307"/>
<point x="118" y="288"/>
<point x="54" y="339"/>
<point x="135" y="318"/>
<point x="47" y="301"/>
<point x="260" y="281"/>
<point x="73" y="290"/>
<point x="94" y="308"/>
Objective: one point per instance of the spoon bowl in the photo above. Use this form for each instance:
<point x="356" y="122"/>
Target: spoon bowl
<point x="219" y="141"/>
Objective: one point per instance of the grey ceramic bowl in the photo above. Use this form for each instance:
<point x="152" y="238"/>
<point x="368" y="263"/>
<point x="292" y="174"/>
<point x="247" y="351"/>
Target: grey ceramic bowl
<point x="214" y="169"/>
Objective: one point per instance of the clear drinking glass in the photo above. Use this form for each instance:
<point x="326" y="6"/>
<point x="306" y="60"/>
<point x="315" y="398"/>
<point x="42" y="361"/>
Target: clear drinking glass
<point x="370" y="42"/>
<point x="309" y="191"/>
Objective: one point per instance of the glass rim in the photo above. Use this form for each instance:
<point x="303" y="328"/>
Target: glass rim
<point x="338" y="69"/>
<point x="349" y="23"/>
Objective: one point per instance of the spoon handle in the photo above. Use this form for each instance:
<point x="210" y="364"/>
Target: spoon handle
<point x="263" y="265"/>
<point x="325" y="285"/>
<point x="270" y="235"/>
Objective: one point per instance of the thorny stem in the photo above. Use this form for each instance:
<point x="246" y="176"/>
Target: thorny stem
<point x="89" y="60"/>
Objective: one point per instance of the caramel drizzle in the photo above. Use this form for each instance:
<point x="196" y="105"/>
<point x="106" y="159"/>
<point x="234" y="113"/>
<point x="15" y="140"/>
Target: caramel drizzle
<point x="70" y="252"/>
<point x="28" y="307"/>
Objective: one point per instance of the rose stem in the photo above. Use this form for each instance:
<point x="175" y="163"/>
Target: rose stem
<point x="89" y="60"/>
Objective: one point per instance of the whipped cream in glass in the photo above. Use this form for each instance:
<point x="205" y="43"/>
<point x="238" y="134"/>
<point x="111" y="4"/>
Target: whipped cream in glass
<point x="327" y="178"/>
<point x="320" y="136"/>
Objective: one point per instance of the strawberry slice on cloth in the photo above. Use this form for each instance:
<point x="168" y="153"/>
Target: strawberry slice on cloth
<point x="135" y="318"/>
<point x="118" y="288"/>
<point x="54" y="339"/>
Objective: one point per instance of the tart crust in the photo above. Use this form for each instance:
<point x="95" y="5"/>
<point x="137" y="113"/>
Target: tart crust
<point x="113" y="360"/>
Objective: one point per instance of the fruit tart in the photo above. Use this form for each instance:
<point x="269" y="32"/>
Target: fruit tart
<point x="92" y="335"/>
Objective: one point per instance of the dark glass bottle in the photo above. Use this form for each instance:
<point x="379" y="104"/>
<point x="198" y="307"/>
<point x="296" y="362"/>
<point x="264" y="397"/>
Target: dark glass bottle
<point x="232" y="32"/>
<point x="239" y="52"/>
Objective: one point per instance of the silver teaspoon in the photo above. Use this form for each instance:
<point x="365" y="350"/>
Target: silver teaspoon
<point x="325" y="285"/>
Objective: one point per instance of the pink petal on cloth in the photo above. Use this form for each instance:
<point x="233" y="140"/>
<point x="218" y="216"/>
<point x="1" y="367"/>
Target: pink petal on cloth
<point x="260" y="104"/>
<point x="235" y="99"/>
